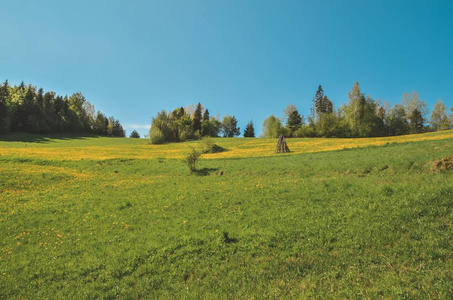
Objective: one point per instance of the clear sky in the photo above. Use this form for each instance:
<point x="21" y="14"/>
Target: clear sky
<point x="245" y="58"/>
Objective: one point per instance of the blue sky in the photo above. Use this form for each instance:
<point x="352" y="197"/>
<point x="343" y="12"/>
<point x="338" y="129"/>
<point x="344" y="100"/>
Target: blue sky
<point x="249" y="59"/>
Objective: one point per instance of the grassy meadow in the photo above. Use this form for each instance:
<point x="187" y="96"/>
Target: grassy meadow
<point x="92" y="217"/>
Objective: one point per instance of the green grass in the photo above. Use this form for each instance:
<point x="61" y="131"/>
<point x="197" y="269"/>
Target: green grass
<point x="371" y="222"/>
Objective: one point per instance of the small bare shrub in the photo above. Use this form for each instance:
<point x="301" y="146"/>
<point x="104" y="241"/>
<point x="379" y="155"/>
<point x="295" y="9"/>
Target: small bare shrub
<point x="191" y="160"/>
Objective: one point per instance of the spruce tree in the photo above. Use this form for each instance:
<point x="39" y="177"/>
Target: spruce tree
<point x="206" y="115"/>
<point x="327" y="105"/>
<point x="294" y="121"/>
<point x="22" y="86"/>
<point x="321" y="105"/>
<point x="416" y="121"/>
<point x="397" y="121"/>
<point x="249" y="130"/>
<point x="318" y="105"/>
<point x="135" y="134"/>
<point x="30" y="118"/>
<point x="4" y="115"/>
<point x="197" y="115"/>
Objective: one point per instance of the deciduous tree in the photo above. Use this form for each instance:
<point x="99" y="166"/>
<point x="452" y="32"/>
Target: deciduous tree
<point x="439" y="119"/>
<point x="416" y="119"/>
<point x="229" y="126"/>
<point x="272" y="127"/>
<point x="355" y="110"/>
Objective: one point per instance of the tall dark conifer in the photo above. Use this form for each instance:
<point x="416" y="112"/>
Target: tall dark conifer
<point x="4" y="116"/>
<point x="416" y="121"/>
<point x="322" y="104"/>
<point x="294" y="121"/>
<point x="22" y="86"/>
<point x="197" y="116"/>
<point x="206" y="115"/>
<point x="26" y="108"/>
<point x="318" y="101"/>
<point x="249" y="130"/>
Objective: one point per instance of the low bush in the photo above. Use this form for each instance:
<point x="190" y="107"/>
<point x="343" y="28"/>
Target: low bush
<point x="208" y="146"/>
<point x="191" y="160"/>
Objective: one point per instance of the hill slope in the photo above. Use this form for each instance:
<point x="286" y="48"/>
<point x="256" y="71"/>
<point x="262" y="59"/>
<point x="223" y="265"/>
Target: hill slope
<point x="99" y="217"/>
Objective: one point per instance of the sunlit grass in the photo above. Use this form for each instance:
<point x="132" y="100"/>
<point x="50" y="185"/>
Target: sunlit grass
<point x="118" y="218"/>
<point x="106" y="148"/>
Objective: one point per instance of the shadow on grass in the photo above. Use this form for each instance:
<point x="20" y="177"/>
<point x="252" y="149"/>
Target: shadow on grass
<point x="204" y="171"/>
<point x="41" y="138"/>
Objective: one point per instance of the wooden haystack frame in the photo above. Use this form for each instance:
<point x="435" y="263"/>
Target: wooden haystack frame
<point x="282" y="147"/>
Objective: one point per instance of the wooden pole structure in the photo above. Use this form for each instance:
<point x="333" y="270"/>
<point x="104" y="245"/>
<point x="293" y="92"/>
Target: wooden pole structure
<point x="282" y="147"/>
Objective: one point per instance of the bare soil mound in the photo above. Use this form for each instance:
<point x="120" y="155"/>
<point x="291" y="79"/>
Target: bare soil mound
<point x="445" y="164"/>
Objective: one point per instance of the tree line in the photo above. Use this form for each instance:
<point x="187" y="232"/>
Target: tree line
<point x="189" y="123"/>
<point x="360" y="117"/>
<point x="29" y="109"/>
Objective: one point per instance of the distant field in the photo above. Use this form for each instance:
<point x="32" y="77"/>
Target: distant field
<point x="89" y="217"/>
<point x="98" y="148"/>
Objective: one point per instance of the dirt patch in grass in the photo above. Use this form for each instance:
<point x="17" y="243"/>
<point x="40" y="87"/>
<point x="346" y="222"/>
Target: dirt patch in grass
<point x="445" y="164"/>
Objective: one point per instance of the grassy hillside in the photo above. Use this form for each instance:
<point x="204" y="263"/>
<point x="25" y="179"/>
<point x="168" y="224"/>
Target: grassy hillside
<point x="85" y="217"/>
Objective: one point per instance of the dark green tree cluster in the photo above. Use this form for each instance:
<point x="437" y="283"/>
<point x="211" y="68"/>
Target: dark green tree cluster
<point x="180" y="125"/>
<point x="360" y="117"/>
<point x="28" y="109"/>
<point x="134" y="134"/>
<point x="249" y="130"/>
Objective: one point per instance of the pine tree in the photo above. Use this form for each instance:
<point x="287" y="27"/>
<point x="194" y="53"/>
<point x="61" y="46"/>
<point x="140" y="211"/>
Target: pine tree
<point x="416" y="121"/>
<point x="40" y="98"/>
<point x="396" y="121"/>
<point x="4" y="114"/>
<point x="206" y="115"/>
<point x="101" y="124"/>
<point x="327" y="105"/>
<point x="197" y="118"/>
<point x="294" y="121"/>
<point x="135" y="134"/>
<point x="322" y="105"/>
<point x="22" y="86"/>
<point x="114" y="128"/>
<point x="249" y="130"/>
<point x="30" y="117"/>
<point x="317" y="102"/>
